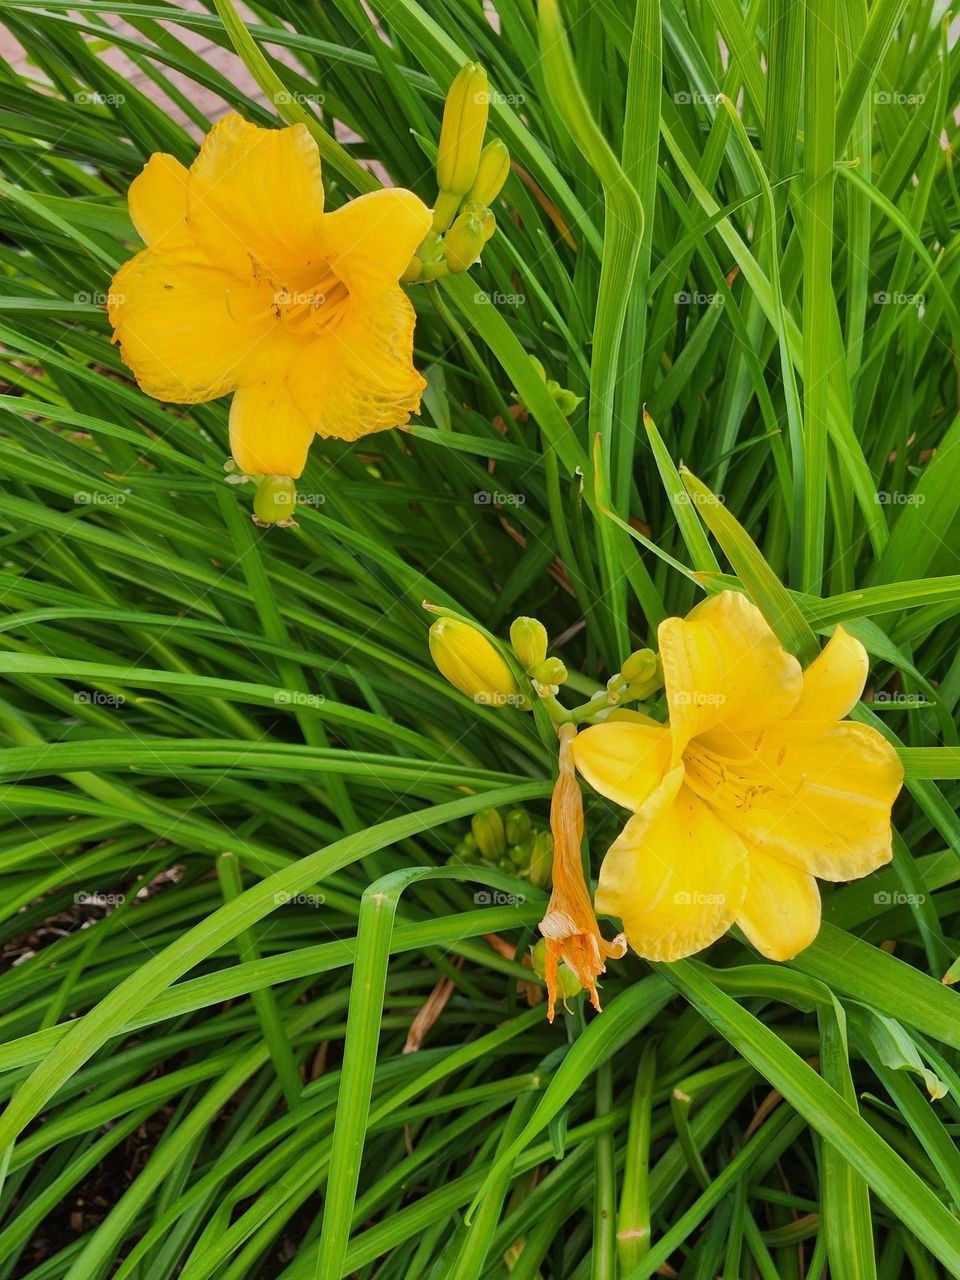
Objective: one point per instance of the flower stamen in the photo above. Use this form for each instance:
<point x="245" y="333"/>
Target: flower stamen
<point x="314" y="309"/>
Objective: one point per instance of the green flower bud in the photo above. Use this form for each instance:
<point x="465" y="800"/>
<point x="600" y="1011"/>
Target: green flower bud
<point x="520" y="854"/>
<point x="529" y="640"/>
<point x="541" y="859"/>
<point x="492" y="172"/>
<point x="461" y="134"/>
<point x="640" y="676"/>
<point x="639" y="667"/>
<point x="463" y="243"/>
<point x="275" y="501"/>
<point x="487" y="827"/>
<point x="517" y="826"/>
<point x="549" y="671"/>
<point x="487" y="221"/>
<point x="466" y="849"/>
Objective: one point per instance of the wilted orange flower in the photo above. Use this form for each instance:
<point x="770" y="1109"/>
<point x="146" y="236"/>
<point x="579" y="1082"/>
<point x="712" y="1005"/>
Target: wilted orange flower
<point x="570" y="926"/>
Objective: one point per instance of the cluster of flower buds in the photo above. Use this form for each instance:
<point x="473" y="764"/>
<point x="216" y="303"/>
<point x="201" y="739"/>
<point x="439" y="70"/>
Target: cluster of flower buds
<point x="470" y="176"/>
<point x="479" y="669"/>
<point x="529" y="640"/>
<point x="515" y="844"/>
<point x="473" y="665"/>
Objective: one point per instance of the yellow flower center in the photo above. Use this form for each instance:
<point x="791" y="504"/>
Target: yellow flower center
<point x="725" y="782"/>
<point x="304" y="312"/>
<point x="312" y="310"/>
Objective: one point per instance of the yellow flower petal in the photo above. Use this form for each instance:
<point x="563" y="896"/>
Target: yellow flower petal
<point x="171" y="314"/>
<point x="781" y="912"/>
<point x="255" y="202"/>
<point x="268" y="433"/>
<point x="359" y="376"/>
<point x="676" y="876"/>
<point x="817" y="800"/>
<point x="624" y="761"/>
<point x="834" y="681"/>
<point x="722" y="665"/>
<point x="369" y="241"/>
<point x="157" y="201"/>
<point x="627" y="715"/>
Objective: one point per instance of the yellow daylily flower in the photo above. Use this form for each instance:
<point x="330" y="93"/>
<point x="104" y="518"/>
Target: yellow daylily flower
<point x="247" y="286"/>
<point x="755" y="787"/>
